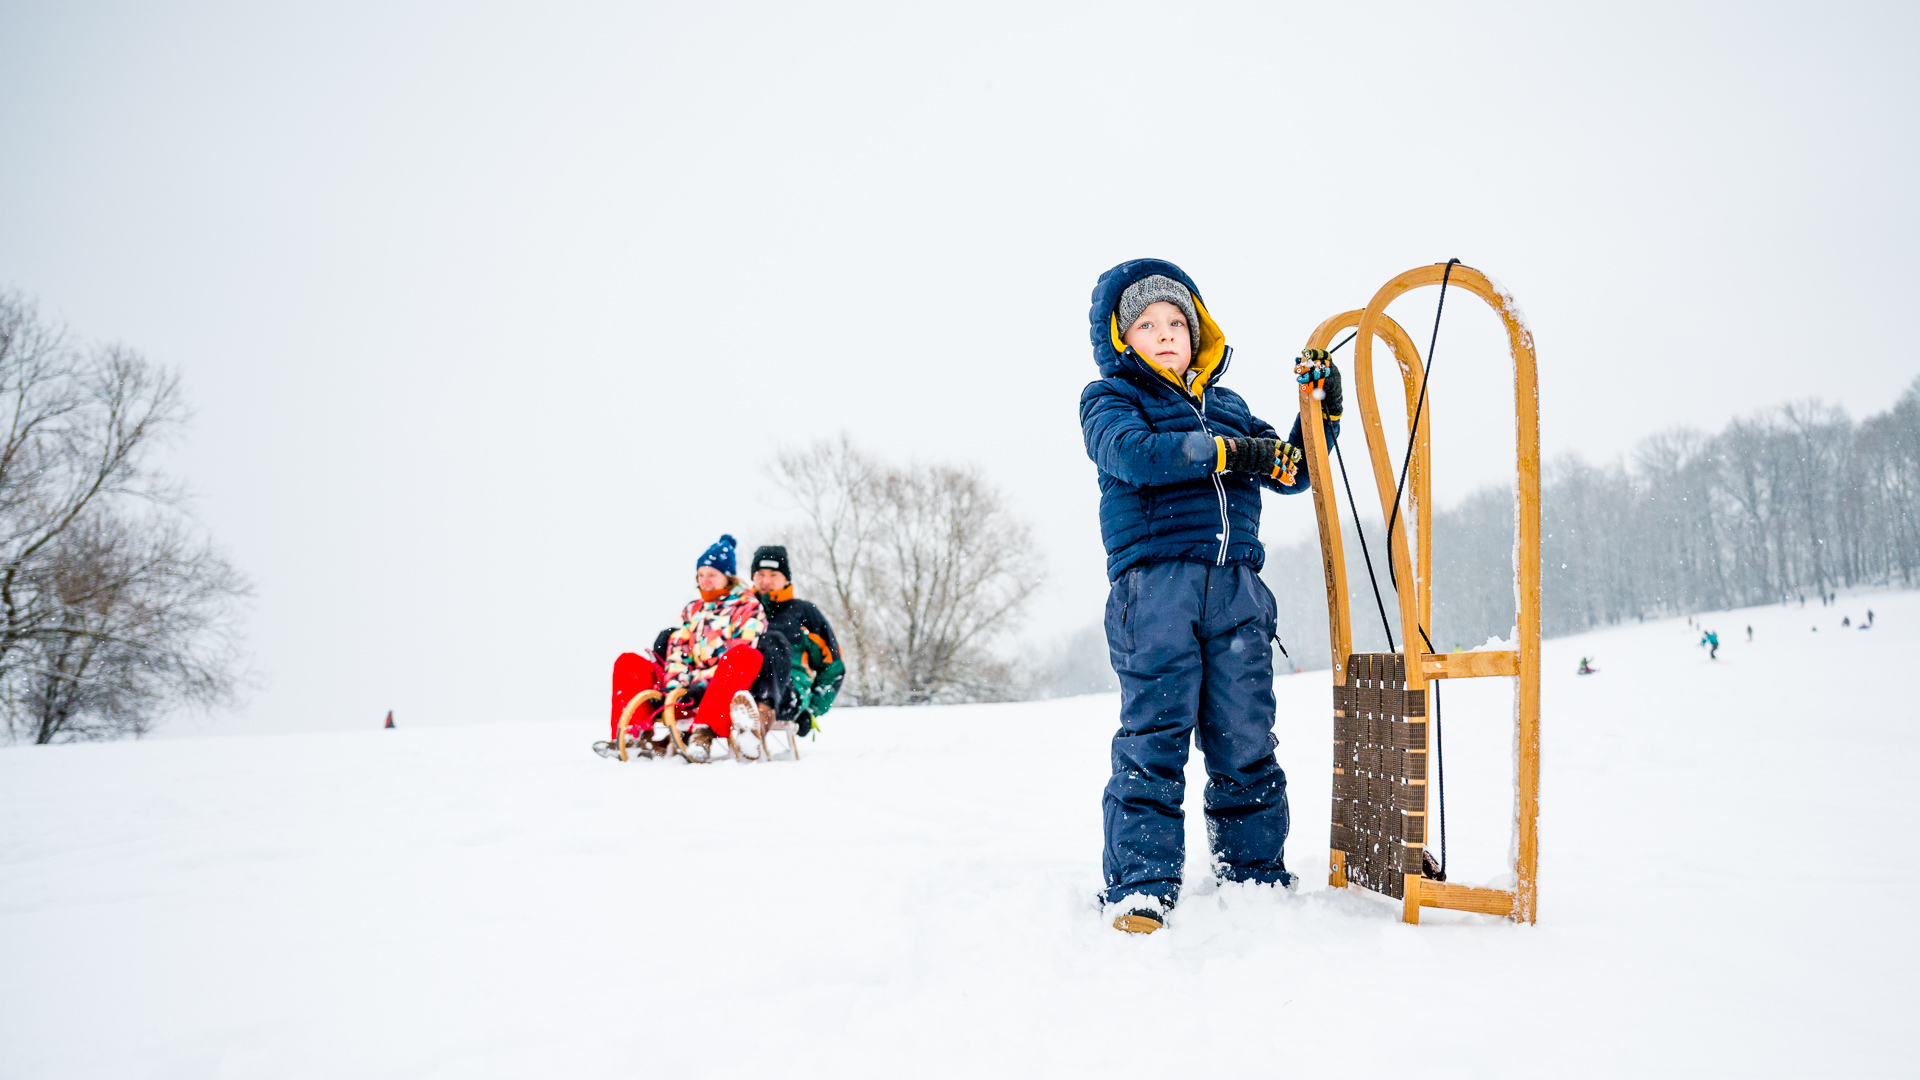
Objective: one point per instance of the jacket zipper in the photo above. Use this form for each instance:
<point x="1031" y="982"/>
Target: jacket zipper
<point x="1219" y="489"/>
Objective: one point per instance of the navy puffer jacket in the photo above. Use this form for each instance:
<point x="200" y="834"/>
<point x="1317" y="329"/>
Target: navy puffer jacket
<point x="1162" y="495"/>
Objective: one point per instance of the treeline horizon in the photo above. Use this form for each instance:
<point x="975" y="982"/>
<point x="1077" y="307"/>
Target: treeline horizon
<point x="922" y="567"/>
<point x="1787" y="504"/>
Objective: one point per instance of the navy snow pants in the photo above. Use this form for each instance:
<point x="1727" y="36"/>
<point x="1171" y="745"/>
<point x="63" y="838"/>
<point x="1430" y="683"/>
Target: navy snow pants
<point x="1192" y="645"/>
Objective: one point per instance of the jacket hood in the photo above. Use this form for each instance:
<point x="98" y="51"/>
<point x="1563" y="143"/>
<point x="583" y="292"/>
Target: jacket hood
<point x="1104" y="330"/>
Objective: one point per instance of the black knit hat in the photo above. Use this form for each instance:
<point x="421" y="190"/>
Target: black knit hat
<point x="771" y="557"/>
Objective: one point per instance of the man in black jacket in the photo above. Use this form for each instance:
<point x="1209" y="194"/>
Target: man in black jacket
<point x="815" y="664"/>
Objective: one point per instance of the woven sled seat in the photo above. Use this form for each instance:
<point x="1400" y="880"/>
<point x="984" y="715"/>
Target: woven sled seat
<point x="1379" y="772"/>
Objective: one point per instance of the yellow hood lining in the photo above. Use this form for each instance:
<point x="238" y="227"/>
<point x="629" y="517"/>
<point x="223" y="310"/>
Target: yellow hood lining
<point x="1213" y="349"/>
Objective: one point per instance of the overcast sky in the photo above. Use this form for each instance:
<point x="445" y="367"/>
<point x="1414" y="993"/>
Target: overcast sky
<point x="491" y="316"/>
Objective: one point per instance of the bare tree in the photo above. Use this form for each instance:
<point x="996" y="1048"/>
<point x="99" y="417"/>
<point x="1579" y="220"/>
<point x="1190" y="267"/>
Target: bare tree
<point x="925" y="568"/>
<point x="111" y="610"/>
<point x="837" y="490"/>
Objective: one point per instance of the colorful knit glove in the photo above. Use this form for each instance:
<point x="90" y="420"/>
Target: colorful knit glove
<point x="1316" y="368"/>
<point x="1276" y="459"/>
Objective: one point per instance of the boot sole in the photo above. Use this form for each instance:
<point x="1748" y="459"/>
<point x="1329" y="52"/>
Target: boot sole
<point x="1137" y="924"/>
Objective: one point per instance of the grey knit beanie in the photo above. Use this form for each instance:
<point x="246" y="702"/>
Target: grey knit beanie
<point x="1150" y="290"/>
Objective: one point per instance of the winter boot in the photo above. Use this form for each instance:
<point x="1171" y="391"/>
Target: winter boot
<point x="655" y="743"/>
<point x="700" y="743"/>
<point x="1140" y="913"/>
<point x="763" y="725"/>
<point x="1140" y="921"/>
<point x="744" y="715"/>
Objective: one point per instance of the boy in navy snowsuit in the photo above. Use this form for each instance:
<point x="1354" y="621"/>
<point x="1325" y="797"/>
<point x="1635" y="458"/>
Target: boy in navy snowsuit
<point x="1189" y="623"/>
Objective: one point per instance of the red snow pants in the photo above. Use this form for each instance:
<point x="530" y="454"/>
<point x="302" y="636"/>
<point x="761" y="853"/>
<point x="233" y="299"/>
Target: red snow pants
<point x="635" y="674"/>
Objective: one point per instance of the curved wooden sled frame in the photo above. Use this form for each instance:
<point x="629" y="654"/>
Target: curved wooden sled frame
<point x="626" y="717"/>
<point x="672" y="700"/>
<point x="667" y="708"/>
<point x="1415" y="596"/>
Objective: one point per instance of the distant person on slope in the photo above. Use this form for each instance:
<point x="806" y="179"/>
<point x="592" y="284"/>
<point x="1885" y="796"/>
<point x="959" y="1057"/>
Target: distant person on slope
<point x="710" y="655"/>
<point x="798" y="641"/>
<point x="1189" y="623"/>
<point x="1712" y="641"/>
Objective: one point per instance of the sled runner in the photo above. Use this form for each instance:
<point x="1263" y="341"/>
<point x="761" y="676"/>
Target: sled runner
<point x="1380" y="832"/>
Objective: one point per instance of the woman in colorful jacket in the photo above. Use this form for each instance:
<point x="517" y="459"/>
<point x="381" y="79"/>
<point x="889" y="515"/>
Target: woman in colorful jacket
<point x="1182" y="461"/>
<point x="710" y="655"/>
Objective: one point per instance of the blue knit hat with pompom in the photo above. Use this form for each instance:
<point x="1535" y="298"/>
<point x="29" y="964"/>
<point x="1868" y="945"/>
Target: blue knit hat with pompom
<point x="720" y="555"/>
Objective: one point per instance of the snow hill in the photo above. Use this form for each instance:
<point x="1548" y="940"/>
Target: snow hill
<point x="1721" y="894"/>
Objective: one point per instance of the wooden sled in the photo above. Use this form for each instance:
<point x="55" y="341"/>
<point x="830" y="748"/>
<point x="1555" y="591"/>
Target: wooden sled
<point x="669" y="711"/>
<point x="1380" y="731"/>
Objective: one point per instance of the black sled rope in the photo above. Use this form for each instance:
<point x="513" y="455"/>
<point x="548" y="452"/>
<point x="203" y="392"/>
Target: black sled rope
<point x="1399" y="490"/>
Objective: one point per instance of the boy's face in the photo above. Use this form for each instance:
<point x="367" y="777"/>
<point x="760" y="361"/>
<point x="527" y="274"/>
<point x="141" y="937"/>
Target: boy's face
<point x="1161" y="334"/>
<point x="769" y="581"/>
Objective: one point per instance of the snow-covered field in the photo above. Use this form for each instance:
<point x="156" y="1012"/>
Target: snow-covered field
<point x="1723" y="892"/>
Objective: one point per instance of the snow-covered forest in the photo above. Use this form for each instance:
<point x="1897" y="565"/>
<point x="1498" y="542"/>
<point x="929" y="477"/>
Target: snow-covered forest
<point x="1783" y="506"/>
